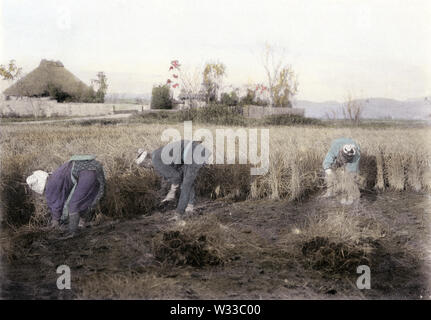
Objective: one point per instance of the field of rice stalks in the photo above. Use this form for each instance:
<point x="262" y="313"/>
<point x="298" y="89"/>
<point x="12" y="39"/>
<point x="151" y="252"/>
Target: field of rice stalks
<point x="391" y="159"/>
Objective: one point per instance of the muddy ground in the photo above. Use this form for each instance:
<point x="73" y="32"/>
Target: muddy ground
<point x="116" y="259"/>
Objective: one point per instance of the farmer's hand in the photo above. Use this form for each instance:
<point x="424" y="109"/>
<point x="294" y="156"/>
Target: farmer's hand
<point x="190" y="208"/>
<point x="328" y="172"/>
<point x="81" y="223"/>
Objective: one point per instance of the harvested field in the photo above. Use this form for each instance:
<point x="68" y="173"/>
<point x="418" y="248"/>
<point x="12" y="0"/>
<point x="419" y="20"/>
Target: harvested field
<point x="267" y="236"/>
<point x="271" y="252"/>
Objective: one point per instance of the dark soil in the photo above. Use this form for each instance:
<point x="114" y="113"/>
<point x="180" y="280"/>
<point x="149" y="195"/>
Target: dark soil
<point x="180" y="249"/>
<point x="116" y="259"/>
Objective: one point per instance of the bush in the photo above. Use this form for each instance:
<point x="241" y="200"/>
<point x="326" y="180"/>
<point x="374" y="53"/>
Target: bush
<point x="229" y="99"/>
<point x="248" y="99"/>
<point x="214" y="114"/>
<point x="58" y="94"/>
<point x="161" y="98"/>
<point x="289" y="119"/>
<point x="261" y="102"/>
<point x="155" y="117"/>
<point x="86" y="95"/>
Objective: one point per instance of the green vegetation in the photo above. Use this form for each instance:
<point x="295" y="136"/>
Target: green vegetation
<point x="212" y="78"/>
<point x="102" y="84"/>
<point x="289" y="119"/>
<point x="229" y="99"/>
<point x="161" y="97"/>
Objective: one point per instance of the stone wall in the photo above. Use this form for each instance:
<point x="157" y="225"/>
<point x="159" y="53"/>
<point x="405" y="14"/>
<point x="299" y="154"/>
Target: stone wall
<point x="44" y="107"/>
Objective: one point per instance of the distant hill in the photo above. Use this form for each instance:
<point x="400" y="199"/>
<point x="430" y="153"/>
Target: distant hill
<point x="373" y="108"/>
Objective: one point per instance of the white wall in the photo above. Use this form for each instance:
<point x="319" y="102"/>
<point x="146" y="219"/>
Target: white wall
<point x="46" y="107"/>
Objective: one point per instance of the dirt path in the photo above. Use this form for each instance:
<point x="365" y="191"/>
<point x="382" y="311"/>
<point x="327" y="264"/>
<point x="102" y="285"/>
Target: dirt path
<point x="111" y="116"/>
<point x="115" y="259"/>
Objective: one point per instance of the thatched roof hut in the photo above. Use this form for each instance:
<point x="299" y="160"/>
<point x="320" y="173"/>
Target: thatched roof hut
<point x="48" y="75"/>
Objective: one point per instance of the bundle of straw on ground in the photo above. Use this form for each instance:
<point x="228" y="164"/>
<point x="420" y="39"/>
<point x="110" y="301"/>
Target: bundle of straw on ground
<point x="335" y="243"/>
<point x="394" y="159"/>
<point x="345" y="184"/>
<point x="200" y="242"/>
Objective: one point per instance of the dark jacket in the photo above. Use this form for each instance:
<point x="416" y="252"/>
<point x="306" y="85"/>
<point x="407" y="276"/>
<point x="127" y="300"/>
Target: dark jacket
<point x="177" y="163"/>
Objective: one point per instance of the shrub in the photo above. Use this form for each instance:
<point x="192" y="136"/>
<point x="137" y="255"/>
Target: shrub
<point x="58" y="94"/>
<point x="161" y="97"/>
<point x="289" y="119"/>
<point x="248" y="99"/>
<point x="154" y="117"/>
<point x="251" y="99"/>
<point x="229" y="99"/>
<point x="214" y="114"/>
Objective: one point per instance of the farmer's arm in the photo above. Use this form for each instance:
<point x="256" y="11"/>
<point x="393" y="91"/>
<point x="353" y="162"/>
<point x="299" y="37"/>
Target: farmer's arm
<point x="100" y="175"/>
<point x="55" y="205"/>
<point x="330" y="157"/>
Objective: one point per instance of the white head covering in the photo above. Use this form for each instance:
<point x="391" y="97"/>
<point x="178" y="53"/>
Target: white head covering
<point x="349" y="149"/>
<point x="142" y="155"/>
<point x="37" y="181"/>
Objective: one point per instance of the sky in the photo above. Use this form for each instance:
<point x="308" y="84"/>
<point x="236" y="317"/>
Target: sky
<point x="363" y="48"/>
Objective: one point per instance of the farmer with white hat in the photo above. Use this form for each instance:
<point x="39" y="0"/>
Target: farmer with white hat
<point x="178" y="163"/>
<point x="343" y="153"/>
<point x="72" y="190"/>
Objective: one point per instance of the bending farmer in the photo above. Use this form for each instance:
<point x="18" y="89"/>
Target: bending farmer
<point x="72" y="190"/>
<point x="178" y="163"/>
<point x="344" y="153"/>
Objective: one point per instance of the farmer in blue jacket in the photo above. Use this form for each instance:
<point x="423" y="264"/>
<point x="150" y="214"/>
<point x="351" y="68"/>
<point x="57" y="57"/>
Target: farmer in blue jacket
<point x="178" y="163"/>
<point x="72" y="190"/>
<point x="344" y="153"/>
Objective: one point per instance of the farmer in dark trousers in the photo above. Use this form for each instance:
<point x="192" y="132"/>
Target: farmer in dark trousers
<point x="178" y="163"/>
<point x="72" y="190"/>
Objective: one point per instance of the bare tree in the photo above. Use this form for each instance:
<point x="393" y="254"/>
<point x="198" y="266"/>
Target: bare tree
<point x="282" y="81"/>
<point x="352" y="110"/>
<point x="191" y="84"/>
